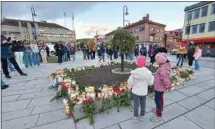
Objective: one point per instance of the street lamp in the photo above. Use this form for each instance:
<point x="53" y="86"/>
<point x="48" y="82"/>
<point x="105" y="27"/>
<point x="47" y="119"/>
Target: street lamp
<point x="188" y="25"/>
<point x="125" y="13"/>
<point x="33" y="15"/>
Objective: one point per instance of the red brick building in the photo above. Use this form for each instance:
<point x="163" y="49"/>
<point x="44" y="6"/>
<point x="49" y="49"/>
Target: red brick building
<point x="173" y="39"/>
<point x="146" y="31"/>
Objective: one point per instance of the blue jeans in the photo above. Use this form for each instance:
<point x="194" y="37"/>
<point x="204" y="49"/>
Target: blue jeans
<point x="10" y="66"/>
<point x="102" y="57"/>
<point x="197" y="64"/>
<point x="27" y="59"/>
<point x="36" y="58"/>
<point x="73" y="57"/>
<point x="180" y="59"/>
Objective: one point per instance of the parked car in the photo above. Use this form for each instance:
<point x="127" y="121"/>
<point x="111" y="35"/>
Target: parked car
<point x="174" y="52"/>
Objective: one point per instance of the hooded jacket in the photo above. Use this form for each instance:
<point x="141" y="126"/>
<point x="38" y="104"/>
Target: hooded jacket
<point x="197" y="54"/>
<point x="162" y="76"/>
<point x="139" y="80"/>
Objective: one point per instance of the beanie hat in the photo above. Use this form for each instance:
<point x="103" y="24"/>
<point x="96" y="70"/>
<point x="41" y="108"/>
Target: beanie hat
<point x="141" y="61"/>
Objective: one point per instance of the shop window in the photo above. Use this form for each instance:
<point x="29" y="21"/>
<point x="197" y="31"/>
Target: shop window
<point x="211" y="26"/>
<point x="204" y="11"/>
<point x="196" y="14"/>
<point x="189" y="16"/>
<point x="202" y="28"/>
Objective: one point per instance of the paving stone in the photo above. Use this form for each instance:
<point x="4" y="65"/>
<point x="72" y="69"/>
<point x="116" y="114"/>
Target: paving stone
<point x="173" y="111"/>
<point x="16" y="114"/>
<point x="41" y="101"/>
<point x="174" y="96"/>
<point x="211" y="104"/>
<point x="203" y="116"/>
<point x="207" y="84"/>
<point x="63" y="124"/>
<point x="37" y="94"/>
<point x="38" y="81"/>
<point x="150" y="104"/>
<point x="146" y="124"/>
<point x="48" y="108"/>
<point x="15" y="105"/>
<point x="191" y="90"/>
<point x="22" y="123"/>
<point x="44" y="85"/>
<point x="19" y="92"/>
<point x="113" y="127"/>
<point x="207" y="95"/>
<point x="9" y="98"/>
<point x="112" y="118"/>
<point x="192" y="102"/>
<point x="15" y="86"/>
<point x="84" y="124"/>
<point x="53" y="116"/>
<point x="179" y="123"/>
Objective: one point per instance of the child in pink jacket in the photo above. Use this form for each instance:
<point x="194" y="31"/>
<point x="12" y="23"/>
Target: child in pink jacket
<point x="162" y="83"/>
<point x="197" y="55"/>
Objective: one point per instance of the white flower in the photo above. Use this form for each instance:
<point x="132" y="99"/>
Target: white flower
<point x="73" y="82"/>
<point x="59" y="88"/>
<point x="65" y="101"/>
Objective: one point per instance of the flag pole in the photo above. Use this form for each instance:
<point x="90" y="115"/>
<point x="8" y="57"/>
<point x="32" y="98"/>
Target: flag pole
<point x="64" y="18"/>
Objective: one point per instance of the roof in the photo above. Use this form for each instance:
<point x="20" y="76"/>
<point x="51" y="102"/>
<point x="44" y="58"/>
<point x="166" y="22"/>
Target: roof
<point x="14" y="22"/>
<point x="140" y="22"/>
<point x="197" y="5"/>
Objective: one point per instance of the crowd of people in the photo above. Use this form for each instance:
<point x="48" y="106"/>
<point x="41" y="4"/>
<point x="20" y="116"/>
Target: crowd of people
<point x="65" y="51"/>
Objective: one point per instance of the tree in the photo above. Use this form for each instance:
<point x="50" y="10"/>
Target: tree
<point x="81" y="44"/>
<point x="124" y="41"/>
<point x="91" y="43"/>
<point x="107" y="44"/>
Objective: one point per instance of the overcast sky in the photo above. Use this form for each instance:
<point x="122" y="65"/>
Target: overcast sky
<point x="97" y="16"/>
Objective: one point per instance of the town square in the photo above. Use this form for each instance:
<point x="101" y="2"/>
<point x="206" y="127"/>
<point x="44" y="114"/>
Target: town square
<point x="143" y="74"/>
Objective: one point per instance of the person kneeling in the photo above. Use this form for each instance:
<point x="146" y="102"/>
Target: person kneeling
<point x="139" y="81"/>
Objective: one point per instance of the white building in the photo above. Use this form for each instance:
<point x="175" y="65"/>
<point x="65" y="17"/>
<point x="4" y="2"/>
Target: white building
<point x="201" y="17"/>
<point x="47" y="32"/>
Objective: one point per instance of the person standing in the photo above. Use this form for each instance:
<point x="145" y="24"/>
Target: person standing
<point x="35" y="53"/>
<point x="152" y="54"/>
<point x="190" y="54"/>
<point x="7" y="54"/>
<point x="58" y="52"/>
<point x="98" y="52"/>
<point x="65" y="58"/>
<point x="47" y="50"/>
<point x="102" y="49"/>
<point x="139" y="81"/>
<point x="27" y="55"/>
<point x="111" y="53"/>
<point x="136" y="51"/>
<point x="115" y="54"/>
<point x="89" y="52"/>
<point x="181" y="53"/>
<point x="94" y="52"/>
<point x="18" y="49"/>
<point x="43" y="53"/>
<point x="143" y="50"/>
<point x="197" y="55"/>
<point x="84" y="50"/>
<point x="68" y="50"/>
<point x="72" y="51"/>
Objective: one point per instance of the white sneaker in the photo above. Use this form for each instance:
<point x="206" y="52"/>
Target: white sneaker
<point x="135" y="119"/>
<point x="155" y="118"/>
<point x="141" y="118"/>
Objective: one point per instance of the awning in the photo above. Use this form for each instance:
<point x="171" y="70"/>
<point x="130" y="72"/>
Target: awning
<point x="201" y="40"/>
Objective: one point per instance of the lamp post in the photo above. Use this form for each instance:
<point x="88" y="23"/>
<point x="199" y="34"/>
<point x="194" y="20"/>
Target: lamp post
<point x="188" y="25"/>
<point x="34" y="15"/>
<point x="125" y="13"/>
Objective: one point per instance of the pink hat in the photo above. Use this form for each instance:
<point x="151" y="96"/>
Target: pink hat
<point x="161" y="58"/>
<point x="141" y="61"/>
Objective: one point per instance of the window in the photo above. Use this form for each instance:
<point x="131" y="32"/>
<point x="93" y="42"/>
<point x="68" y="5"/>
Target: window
<point x="161" y="38"/>
<point x="152" y="29"/>
<point x="196" y="14"/>
<point x="157" y="30"/>
<point x="213" y="9"/>
<point x="204" y="11"/>
<point x="189" y="16"/>
<point x="141" y="29"/>
<point x="187" y="30"/>
<point x="136" y="30"/>
<point x="194" y="29"/>
<point x="202" y="28"/>
<point x="137" y="37"/>
<point x="211" y="26"/>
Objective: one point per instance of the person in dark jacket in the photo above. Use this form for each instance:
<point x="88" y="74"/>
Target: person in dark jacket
<point x="190" y="54"/>
<point x="163" y="49"/>
<point x="7" y="54"/>
<point x="58" y="50"/>
<point x="47" y="50"/>
<point x="111" y="53"/>
<point x="143" y="51"/>
<point x="102" y="49"/>
<point x="99" y="52"/>
<point x="115" y="54"/>
<point x="89" y="52"/>
<point x="136" y="51"/>
<point x="72" y="52"/>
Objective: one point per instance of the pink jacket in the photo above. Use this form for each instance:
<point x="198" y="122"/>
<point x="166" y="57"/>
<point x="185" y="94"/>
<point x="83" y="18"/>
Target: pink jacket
<point x="197" y="54"/>
<point x="162" y="77"/>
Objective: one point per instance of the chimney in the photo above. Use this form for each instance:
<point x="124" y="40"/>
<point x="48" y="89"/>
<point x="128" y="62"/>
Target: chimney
<point x="147" y="16"/>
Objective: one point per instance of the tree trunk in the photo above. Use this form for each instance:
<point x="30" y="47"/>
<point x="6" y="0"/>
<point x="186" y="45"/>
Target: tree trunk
<point x="122" y="62"/>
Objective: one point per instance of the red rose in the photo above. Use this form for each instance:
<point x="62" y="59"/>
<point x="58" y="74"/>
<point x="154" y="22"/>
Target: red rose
<point x="118" y="92"/>
<point x="123" y="91"/>
<point x="63" y="85"/>
<point x="90" y="100"/>
<point x="70" y="114"/>
<point x="114" y="89"/>
<point x="99" y="98"/>
<point x="96" y="94"/>
<point x="84" y="102"/>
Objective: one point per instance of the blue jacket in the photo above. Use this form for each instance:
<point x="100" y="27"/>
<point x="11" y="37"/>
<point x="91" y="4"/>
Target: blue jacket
<point x="6" y="51"/>
<point x="102" y="48"/>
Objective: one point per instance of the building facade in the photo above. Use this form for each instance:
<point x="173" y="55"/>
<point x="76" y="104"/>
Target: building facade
<point x="199" y="26"/>
<point x="47" y="32"/>
<point x="146" y="31"/>
<point x="173" y="39"/>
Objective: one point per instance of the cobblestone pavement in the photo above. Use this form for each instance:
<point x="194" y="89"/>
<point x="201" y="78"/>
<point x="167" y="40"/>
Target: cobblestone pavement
<point x="26" y="104"/>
